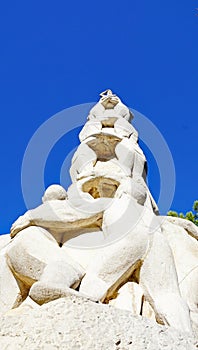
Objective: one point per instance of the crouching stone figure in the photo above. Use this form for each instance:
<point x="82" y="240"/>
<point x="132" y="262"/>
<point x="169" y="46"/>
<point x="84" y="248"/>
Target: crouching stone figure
<point x="46" y="268"/>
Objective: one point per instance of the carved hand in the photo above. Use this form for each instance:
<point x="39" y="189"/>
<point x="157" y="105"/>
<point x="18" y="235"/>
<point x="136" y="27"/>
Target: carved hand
<point x="21" y="223"/>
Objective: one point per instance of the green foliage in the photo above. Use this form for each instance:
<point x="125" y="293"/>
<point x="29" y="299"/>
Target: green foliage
<point x="190" y="215"/>
<point x="195" y="207"/>
<point x="173" y="213"/>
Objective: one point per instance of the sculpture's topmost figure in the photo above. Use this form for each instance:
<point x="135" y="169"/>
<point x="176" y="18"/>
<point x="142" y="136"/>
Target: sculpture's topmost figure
<point x="108" y="99"/>
<point x="110" y="105"/>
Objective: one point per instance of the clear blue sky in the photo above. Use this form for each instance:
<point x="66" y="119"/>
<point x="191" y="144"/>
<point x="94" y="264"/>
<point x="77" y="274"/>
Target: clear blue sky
<point x="58" y="54"/>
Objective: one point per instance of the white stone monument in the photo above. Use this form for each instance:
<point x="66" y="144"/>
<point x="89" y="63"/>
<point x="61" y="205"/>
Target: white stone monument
<point x="104" y="238"/>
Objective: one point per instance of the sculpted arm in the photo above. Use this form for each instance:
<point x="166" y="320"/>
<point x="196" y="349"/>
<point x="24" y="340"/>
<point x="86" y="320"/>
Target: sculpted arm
<point x="32" y="217"/>
<point x="21" y="223"/>
<point x="56" y="215"/>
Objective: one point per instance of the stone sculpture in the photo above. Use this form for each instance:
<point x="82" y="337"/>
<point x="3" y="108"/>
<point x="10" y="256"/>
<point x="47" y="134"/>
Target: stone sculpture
<point x="110" y="210"/>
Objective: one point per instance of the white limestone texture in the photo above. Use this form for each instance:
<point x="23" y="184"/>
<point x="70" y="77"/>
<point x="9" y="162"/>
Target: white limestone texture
<point x="185" y="251"/>
<point x="78" y="324"/>
<point x="4" y="240"/>
<point x="105" y="232"/>
<point x="9" y="288"/>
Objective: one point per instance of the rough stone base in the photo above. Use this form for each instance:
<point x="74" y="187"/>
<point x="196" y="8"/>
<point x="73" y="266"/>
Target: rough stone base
<point x="74" y="323"/>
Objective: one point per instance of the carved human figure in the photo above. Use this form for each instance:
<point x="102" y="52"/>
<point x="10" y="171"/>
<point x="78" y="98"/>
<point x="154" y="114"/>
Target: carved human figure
<point x="54" y="272"/>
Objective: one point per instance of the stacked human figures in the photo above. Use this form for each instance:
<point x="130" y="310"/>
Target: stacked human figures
<point x="103" y="232"/>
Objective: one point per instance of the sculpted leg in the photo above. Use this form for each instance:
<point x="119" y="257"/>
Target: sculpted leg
<point x="56" y="280"/>
<point x="9" y="290"/>
<point x="189" y="291"/>
<point x="34" y="255"/>
<point x="185" y="251"/>
<point x="113" y="265"/>
<point x="130" y="297"/>
<point x="158" y="279"/>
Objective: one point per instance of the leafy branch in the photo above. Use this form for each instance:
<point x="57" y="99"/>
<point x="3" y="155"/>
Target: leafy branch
<point x="190" y="215"/>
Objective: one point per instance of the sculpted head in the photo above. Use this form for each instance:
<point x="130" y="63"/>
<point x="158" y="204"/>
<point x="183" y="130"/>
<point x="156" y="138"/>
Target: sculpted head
<point x="54" y="192"/>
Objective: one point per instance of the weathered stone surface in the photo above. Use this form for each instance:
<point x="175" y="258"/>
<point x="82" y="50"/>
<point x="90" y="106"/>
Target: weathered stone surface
<point x="101" y="187"/>
<point x="83" y="162"/>
<point x="185" y="252"/>
<point x="83" y="201"/>
<point x="113" y="265"/>
<point x="111" y="168"/>
<point x="158" y="279"/>
<point x="9" y="289"/>
<point x="104" y="146"/>
<point x="54" y="192"/>
<point x="108" y="99"/>
<point x="44" y="292"/>
<point x="122" y="111"/>
<point x="118" y="221"/>
<point x="4" y="240"/>
<point x="136" y="188"/>
<point x="79" y="324"/>
<point x="110" y="204"/>
<point x="108" y="122"/>
<point x="125" y="154"/>
<point x="188" y="225"/>
<point x="119" y="129"/>
<point x="130" y="297"/>
<point x="126" y="129"/>
<point x="35" y="255"/>
<point x="92" y="127"/>
<point x="115" y="121"/>
<point x="58" y="215"/>
<point x="110" y="105"/>
<point x="29" y="253"/>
